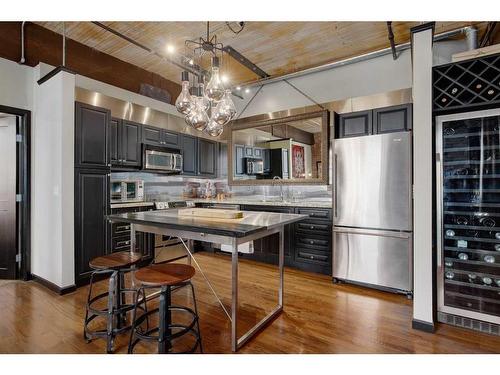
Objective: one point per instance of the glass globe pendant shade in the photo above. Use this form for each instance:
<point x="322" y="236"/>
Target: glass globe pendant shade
<point x="215" y="88"/>
<point x="225" y="109"/>
<point x="213" y="129"/>
<point x="206" y="101"/>
<point x="184" y="102"/>
<point x="198" y="117"/>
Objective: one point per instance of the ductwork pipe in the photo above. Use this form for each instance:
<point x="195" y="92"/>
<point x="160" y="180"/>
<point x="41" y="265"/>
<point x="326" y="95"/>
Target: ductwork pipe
<point x="22" y="60"/>
<point x="471" y="37"/>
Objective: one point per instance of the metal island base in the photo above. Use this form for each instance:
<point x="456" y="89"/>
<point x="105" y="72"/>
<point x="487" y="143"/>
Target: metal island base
<point x="253" y="226"/>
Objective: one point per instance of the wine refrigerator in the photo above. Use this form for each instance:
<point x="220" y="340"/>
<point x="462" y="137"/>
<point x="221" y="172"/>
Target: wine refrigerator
<point x="468" y="219"/>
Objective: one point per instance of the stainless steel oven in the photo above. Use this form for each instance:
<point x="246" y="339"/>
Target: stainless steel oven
<point x="161" y="159"/>
<point x="127" y="191"/>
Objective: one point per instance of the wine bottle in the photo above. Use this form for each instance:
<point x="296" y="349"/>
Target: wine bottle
<point x="461" y="220"/>
<point x="463" y="256"/>
<point x="449" y="275"/>
<point x="487" y="280"/>
<point x="450" y="233"/>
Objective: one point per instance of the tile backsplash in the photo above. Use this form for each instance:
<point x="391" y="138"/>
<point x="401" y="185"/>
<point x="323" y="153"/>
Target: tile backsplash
<point x="160" y="187"/>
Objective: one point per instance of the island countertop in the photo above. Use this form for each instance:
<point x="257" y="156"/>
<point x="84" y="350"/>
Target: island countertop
<point x="252" y="222"/>
<point x="304" y="202"/>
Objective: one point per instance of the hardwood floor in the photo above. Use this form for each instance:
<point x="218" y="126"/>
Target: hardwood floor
<point x="318" y="317"/>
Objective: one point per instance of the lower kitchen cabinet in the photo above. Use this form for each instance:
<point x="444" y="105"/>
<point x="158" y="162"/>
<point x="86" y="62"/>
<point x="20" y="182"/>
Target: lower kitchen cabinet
<point x="92" y="230"/>
<point x="120" y="236"/>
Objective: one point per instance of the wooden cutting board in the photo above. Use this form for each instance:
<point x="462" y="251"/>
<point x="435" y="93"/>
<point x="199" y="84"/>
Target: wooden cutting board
<point x="214" y="213"/>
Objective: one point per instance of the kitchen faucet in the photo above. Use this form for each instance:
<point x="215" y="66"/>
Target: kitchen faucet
<point x="278" y="180"/>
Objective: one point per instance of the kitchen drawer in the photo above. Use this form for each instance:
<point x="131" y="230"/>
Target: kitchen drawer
<point x="317" y="243"/>
<point x="325" y="214"/>
<point x="309" y="226"/>
<point x="120" y="229"/>
<point x="311" y="256"/>
<point x="120" y="243"/>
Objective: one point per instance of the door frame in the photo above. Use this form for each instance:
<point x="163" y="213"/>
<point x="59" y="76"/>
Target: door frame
<point x="23" y="180"/>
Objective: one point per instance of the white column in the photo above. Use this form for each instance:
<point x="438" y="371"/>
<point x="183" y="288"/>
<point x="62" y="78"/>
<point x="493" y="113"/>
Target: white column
<point x="52" y="184"/>
<point x="422" y="37"/>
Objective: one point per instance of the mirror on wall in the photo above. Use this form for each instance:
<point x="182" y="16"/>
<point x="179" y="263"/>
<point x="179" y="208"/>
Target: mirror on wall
<point x="291" y="149"/>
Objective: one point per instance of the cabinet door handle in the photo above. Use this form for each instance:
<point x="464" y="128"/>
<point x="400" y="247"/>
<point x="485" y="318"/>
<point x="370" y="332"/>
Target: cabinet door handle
<point x="122" y="243"/>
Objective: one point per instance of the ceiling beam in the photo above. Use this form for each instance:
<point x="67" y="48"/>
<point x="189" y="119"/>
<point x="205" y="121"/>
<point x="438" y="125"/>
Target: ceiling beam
<point x="245" y="62"/>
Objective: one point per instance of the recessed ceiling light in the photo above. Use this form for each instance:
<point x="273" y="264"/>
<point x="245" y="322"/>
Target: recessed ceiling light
<point x="170" y="48"/>
<point x="247" y="91"/>
<point x="238" y="88"/>
<point x="224" y="78"/>
<point x="191" y="62"/>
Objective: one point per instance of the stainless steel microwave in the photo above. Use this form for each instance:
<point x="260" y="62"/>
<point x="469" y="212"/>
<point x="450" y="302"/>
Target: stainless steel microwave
<point x="127" y="191"/>
<point x="254" y="166"/>
<point x="161" y="159"/>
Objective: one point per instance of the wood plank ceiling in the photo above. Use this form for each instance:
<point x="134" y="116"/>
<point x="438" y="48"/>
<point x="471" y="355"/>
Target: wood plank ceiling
<point x="276" y="47"/>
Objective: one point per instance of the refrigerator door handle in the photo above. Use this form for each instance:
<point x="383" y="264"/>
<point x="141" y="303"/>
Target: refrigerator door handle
<point x="373" y="232"/>
<point x="335" y="185"/>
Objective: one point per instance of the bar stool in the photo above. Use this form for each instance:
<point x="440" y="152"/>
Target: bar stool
<point x="167" y="277"/>
<point x="115" y="265"/>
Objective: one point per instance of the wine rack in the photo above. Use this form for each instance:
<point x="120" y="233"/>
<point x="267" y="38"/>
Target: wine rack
<point x="467" y="83"/>
<point x="470" y="220"/>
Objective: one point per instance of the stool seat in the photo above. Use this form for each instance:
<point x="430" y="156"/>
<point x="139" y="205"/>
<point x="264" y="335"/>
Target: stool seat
<point x="114" y="261"/>
<point x="164" y="274"/>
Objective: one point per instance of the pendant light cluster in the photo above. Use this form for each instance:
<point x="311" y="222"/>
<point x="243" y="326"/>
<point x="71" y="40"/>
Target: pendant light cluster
<point x="206" y="108"/>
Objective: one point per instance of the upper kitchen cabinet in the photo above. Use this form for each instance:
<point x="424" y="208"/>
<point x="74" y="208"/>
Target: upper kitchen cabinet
<point x="207" y="158"/>
<point x="91" y="136"/>
<point x="222" y="164"/>
<point x="125" y="143"/>
<point x="189" y="155"/>
<point x="354" y="124"/>
<point x="239" y="155"/>
<point x="376" y="121"/>
<point x="160" y="137"/>
<point x="131" y="144"/>
<point x="392" y="119"/>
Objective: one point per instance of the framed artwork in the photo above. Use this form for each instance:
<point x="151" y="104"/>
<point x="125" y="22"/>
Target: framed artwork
<point x="298" y="162"/>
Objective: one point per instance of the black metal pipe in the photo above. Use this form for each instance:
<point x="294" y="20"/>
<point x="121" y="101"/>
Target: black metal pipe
<point x="391" y="40"/>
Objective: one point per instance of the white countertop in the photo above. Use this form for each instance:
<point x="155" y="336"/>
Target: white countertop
<point x="304" y="202"/>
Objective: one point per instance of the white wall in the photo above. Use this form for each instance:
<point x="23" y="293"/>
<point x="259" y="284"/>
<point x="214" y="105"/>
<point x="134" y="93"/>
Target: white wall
<point x="52" y="173"/>
<point x="16" y="88"/>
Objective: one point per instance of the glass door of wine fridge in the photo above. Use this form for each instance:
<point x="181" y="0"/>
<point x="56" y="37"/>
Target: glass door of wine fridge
<point x="468" y="206"/>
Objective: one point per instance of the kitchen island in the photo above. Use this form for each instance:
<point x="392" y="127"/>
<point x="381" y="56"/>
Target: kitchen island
<point x="253" y="226"/>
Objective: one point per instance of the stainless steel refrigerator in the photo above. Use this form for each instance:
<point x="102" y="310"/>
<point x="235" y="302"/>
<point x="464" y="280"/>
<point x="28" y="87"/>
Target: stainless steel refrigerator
<point x="373" y="211"/>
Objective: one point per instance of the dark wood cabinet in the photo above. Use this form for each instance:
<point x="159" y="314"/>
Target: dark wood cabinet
<point x="267" y="249"/>
<point x="91" y="136"/>
<point x="189" y="155"/>
<point x="207" y="158"/>
<point x="354" y="124"/>
<point x="92" y="230"/>
<point x="120" y="236"/>
<point x="160" y="137"/>
<point x="131" y="144"/>
<point x="257" y="152"/>
<point x="392" y="119"/>
<point x="114" y="141"/>
<point x="377" y="121"/>
<point x="125" y="138"/>
<point x="239" y="154"/>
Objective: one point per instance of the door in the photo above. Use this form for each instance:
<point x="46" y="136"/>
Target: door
<point x="8" y="172"/>
<point x="207" y="158"/>
<point x="92" y="230"/>
<point x="131" y="144"/>
<point x="373" y="182"/>
<point x="372" y="257"/>
<point x="189" y="155"/>
<point x="468" y="214"/>
<point x="91" y="136"/>
<point x="392" y="119"/>
<point x="114" y="141"/>
<point x="151" y="135"/>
